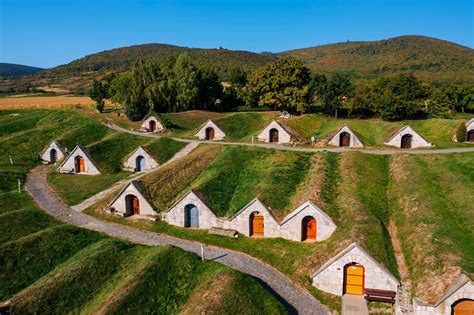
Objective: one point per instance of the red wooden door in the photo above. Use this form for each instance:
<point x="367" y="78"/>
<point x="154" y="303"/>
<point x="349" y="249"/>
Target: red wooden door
<point x="309" y="228"/>
<point x="258" y="227"/>
<point x="82" y="166"/>
<point x="465" y="307"/>
<point x="345" y="140"/>
<point x="470" y="136"/>
<point x="152" y="125"/>
<point x="273" y="135"/>
<point x="135" y="205"/>
<point x="210" y="133"/>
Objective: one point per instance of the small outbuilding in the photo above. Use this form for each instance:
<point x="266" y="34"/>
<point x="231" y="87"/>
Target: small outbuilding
<point x="131" y="201"/>
<point x="353" y="271"/>
<point x="458" y="300"/>
<point x="79" y="162"/>
<point x="191" y="211"/>
<point x="152" y="123"/>
<point x="470" y="131"/>
<point x="307" y="223"/>
<point x="210" y="131"/>
<point x="407" y="138"/>
<point x="140" y="160"/>
<point x="275" y="132"/>
<point x="255" y="219"/>
<point x="53" y="153"/>
<point x="345" y="137"/>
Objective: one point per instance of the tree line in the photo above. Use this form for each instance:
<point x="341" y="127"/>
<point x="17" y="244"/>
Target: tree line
<point x="178" y="84"/>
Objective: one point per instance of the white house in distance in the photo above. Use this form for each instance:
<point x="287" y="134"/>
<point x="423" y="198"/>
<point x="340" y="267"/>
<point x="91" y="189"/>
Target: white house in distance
<point x="458" y="299"/>
<point x="353" y="271"/>
<point x="210" y="131"/>
<point x="306" y="223"/>
<point x="130" y="201"/>
<point x="152" y="123"/>
<point x="191" y="211"/>
<point x="53" y="153"/>
<point x="276" y="133"/>
<point x="79" y="162"/>
<point x="140" y="160"/>
<point x="345" y="137"/>
<point x="407" y="138"/>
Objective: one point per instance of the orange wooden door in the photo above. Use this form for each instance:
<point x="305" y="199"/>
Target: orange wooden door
<point x="464" y="308"/>
<point x="354" y="279"/>
<point x="82" y="166"/>
<point x="136" y="206"/>
<point x="310" y="229"/>
<point x="258" y="227"/>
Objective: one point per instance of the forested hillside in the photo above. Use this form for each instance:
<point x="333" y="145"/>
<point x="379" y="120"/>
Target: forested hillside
<point x="14" y="70"/>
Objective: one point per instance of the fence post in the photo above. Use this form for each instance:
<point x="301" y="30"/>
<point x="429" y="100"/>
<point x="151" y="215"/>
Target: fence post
<point x="11" y="160"/>
<point x="202" y="252"/>
<point x="19" y="185"/>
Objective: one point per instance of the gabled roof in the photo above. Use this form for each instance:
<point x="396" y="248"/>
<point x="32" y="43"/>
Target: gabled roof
<point x="84" y="151"/>
<point x="401" y="130"/>
<point x="133" y="183"/>
<point x="198" y="195"/>
<point x="471" y="121"/>
<point x="283" y="126"/>
<point x="332" y="135"/>
<point x="154" y="114"/>
<point x="146" y="151"/>
<point x="462" y="280"/>
<point x="58" y="145"/>
<point x="301" y="208"/>
<point x="345" y="251"/>
<point x="213" y="124"/>
<point x="252" y="202"/>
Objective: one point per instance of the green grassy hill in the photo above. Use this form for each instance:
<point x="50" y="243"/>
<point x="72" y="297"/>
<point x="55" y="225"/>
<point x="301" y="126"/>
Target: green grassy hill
<point x="49" y="267"/>
<point x="428" y="58"/>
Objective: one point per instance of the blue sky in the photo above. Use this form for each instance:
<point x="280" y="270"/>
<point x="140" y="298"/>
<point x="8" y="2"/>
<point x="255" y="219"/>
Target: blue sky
<point x="47" y="33"/>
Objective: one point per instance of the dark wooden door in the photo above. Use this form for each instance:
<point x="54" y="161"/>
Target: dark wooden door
<point x="273" y="135"/>
<point x="345" y="139"/>
<point x="135" y="205"/>
<point x="53" y="156"/>
<point x="309" y="228"/>
<point x="406" y="141"/>
<point x="191" y="216"/>
<point x="257" y="225"/>
<point x="152" y="125"/>
<point x="470" y="136"/>
<point x="140" y="164"/>
<point x="209" y="133"/>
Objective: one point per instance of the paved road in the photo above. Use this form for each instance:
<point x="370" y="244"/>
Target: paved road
<point x="296" y="298"/>
<point x="288" y="148"/>
<point x="101" y="195"/>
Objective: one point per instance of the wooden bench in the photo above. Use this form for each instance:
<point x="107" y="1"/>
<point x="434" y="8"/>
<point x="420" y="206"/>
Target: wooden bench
<point x="376" y="295"/>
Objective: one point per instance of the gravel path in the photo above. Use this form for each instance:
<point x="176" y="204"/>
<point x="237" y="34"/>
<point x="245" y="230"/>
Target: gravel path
<point x="296" y="298"/>
<point x="287" y="148"/>
<point x="101" y="195"/>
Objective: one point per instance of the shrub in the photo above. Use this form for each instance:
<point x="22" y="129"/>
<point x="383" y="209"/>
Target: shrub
<point x="461" y="132"/>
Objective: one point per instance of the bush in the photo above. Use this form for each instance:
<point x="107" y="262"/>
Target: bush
<point x="461" y="133"/>
<point x="100" y="106"/>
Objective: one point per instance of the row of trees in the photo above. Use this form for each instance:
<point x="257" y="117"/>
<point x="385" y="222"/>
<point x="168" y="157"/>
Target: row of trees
<point x="286" y="84"/>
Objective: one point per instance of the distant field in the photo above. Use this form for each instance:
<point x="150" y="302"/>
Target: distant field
<point x="44" y="102"/>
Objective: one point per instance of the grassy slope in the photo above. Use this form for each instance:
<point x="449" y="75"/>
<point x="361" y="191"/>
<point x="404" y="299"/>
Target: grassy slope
<point x="433" y="197"/>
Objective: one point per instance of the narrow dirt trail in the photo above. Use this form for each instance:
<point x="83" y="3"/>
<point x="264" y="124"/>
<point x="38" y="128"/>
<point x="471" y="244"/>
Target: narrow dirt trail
<point x="297" y="299"/>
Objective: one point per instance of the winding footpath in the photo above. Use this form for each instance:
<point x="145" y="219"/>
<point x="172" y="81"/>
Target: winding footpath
<point x="300" y="149"/>
<point x="297" y="299"/>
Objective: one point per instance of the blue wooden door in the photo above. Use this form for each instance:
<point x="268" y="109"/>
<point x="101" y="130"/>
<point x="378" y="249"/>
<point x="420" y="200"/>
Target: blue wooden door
<point x="141" y="163"/>
<point x="194" y="217"/>
<point x="191" y="216"/>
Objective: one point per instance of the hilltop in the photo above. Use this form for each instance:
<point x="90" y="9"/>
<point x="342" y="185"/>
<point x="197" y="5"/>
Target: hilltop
<point x="428" y="58"/>
<point x="14" y="70"/>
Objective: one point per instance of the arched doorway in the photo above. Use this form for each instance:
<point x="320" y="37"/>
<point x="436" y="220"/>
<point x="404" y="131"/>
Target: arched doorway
<point x="132" y="205"/>
<point x="470" y="136"/>
<point x="257" y="225"/>
<point x="53" y="156"/>
<point x="463" y="307"/>
<point x="406" y="141"/>
<point x="354" y="279"/>
<point x="309" y="228"/>
<point x="209" y="133"/>
<point x="140" y="164"/>
<point x="191" y="216"/>
<point x="344" y="139"/>
<point x="79" y="164"/>
<point x="273" y="136"/>
<point x="152" y="125"/>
